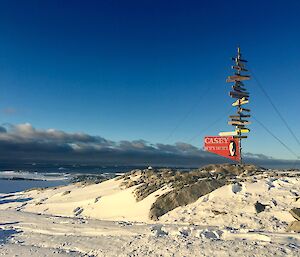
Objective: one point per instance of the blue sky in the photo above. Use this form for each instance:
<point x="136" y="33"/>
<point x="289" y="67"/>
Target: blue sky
<point x="127" y="70"/>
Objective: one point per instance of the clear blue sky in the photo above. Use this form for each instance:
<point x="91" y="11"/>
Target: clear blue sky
<point x="134" y="69"/>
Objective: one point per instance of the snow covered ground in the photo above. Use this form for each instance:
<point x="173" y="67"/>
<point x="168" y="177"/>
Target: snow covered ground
<point x="105" y="220"/>
<point x="234" y="205"/>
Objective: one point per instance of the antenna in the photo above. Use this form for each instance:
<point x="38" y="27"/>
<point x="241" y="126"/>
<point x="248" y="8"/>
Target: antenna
<point x="240" y="93"/>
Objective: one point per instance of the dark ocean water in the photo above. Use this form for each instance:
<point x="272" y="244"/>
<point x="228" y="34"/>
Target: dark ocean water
<point x="55" y="168"/>
<point x="10" y="186"/>
<point x="22" y="177"/>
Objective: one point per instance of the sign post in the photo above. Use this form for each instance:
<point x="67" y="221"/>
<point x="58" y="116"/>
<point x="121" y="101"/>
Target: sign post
<point x="240" y="93"/>
<point x="229" y="144"/>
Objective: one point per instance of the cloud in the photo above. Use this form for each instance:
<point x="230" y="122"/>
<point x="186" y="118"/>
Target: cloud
<point x="24" y="143"/>
<point x="258" y="156"/>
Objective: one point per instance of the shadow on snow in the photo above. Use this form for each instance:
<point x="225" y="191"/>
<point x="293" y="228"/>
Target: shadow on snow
<point x="6" y="234"/>
<point x="19" y="200"/>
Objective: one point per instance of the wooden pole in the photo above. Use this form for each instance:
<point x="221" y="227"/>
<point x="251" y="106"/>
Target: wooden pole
<point x="239" y="107"/>
<point x="241" y="158"/>
<point x="239" y="92"/>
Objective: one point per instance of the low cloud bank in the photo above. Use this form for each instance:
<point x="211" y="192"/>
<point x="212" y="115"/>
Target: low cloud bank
<point x="24" y="143"/>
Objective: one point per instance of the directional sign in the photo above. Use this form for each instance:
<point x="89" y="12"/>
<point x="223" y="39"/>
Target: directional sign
<point x="243" y="110"/>
<point x="239" y="91"/>
<point x="238" y="59"/>
<point x="240" y="102"/>
<point x="239" y="116"/>
<point x="239" y="123"/>
<point x="230" y="133"/>
<point x="238" y="88"/>
<point x="238" y="95"/>
<point x="237" y="78"/>
<point x="245" y="115"/>
<point x="240" y="136"/>
<point x="239" y="68"/>
<point x="227" y="147"/>
<point x="238" y="119"/>
<point x="234" y="116"/>
<point x="243" y="130"/>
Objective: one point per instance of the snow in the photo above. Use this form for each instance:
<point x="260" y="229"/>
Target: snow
<point x="233" y="206"/>
<point x="106" y="201"/>
<point x="106" y="220"/>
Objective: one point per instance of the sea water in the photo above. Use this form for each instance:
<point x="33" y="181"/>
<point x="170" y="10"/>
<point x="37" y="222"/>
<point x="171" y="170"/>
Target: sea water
<point x="38" y="176"/>
<point x="11" y="186"/>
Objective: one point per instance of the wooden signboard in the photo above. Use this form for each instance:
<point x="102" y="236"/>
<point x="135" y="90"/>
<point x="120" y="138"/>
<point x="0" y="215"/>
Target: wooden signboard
<point x="238" y="88"/>
<point x="240" y="102"/>
<point x="239" y="116"/>
<point x="245" y="115"/>
<point x="243" y="110"/>
<point x="230" y="133"/>
<point x="239" y="68"/>
<point x="243" y="130"/>
<point x="238" y="94"/>
<point x="238" y="119"/>
<point x="239" y="123"/>
<point x="237" y="78"/>
<point x="240" y="136"/>
<point x="238" y="60"/>
<point x="234" y="116"/>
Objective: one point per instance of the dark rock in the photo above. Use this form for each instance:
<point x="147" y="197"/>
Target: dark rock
<point x="295" y="213"/>
<point x="144" y="190"/>
<point x="89" y="179"/>
<point x="182" y="197"/>
<point x="66" y="192"/>
<point x="259" y="207"/>
<point x="216" y="212"/>
<point x="294" y="226"/>
<point x="235" y="169"/>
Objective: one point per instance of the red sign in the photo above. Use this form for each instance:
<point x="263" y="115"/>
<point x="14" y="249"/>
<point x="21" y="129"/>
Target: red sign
<point x="227" y="147"/>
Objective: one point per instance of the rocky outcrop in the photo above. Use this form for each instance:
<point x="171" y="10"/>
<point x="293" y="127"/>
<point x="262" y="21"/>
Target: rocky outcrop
<point x="89" y="179"/>
<point x="235" y="169"/>
<point x="149" y="181"/>
<point x="183" y="196"/>
<point x="294" y="226"/>
<point x="185" y="186"/>
<point x="295" y="213"/>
